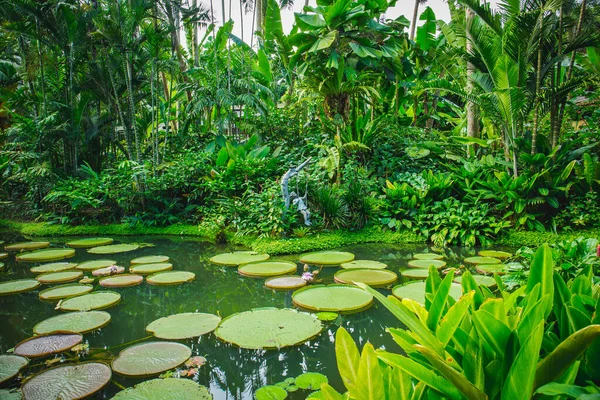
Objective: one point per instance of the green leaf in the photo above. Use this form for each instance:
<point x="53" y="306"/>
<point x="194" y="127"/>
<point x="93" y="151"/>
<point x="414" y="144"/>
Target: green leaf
<point x="541" y="271"/>
<point x="369" y="383"/>
<point x="472" y="361"/>
<point x="348" y="358"/>
<point x="439" y="302"/>
<point x="561" y="389"/>
<point x="426" y="32"/>
<point x="329" y="393"/>
<point x="453" y="318"/>
<point x="493" y="331"/>
<point x="308" y="22"/>
<point x="398" y="384"/>
<point x="323" y="42"/>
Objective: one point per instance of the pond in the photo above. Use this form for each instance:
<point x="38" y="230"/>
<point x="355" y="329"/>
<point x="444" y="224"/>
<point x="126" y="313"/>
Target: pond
<point x="230" y="372"/>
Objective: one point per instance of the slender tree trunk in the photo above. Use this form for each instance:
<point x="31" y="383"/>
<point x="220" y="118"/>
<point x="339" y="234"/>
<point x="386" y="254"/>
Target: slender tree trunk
<point x="260" y="15"/>
<point x="43" y="75"/>
<point x="538" y="85"/>
<point x="434" y="105"/>
<point x="472" y="109"/>
<point x="413" y="25"/>
<point x="557" y="81"/>
<point x="121" y="115"/>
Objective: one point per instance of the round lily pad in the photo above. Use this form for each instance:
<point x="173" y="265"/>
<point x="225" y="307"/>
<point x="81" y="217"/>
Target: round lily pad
<point x="1" y="265"/>
<point x="364" y="264"/>
<point x="44" y="345"/>
<point x="416" y="291"/>
<point x="183" y="326"/>
<point x="285" y="282"/>
<point x="332" y="298"/>
<point x="26" y="246"/>
<point x="78" y="322"/>
<point x="106" y="271"/>
<point x="415" y="273"/>
<point x="327" y="316"/>
<point x="268" y="268"/>
<point x="10" y="365"/>
<point x="150" y="260"/>
<point x="60" y="277"/>
<point x="46" y="255"/>
<point x="426" y="264"/>
<point x="170" y="278"/>
<point x="114" y="248"/>
<point x="371" y="277"/>
<point x="311" y="380"/>
<point x="238" y="258"/>
<point x="53" y="267"/>
<point x="3" y="256"/>
<point x="495" y="254"/>
<point x="270" y="392"/>
<point x="18" y="286"/>
<point x="150" y="358"/>
<point x="64" y="291"/>
<point x="67" y="382"/>
<point x="91" y="301"/>
<point x="165" y="389"/>
<point x="96" y="264"/>
<point x="147" y="269"/>
<point x="490" y="269"/>
<point x="482" y="280"/>
<point x="124" y="280"/>
<point x="14" y="394"/>
<point x="481" y="260"/>
<point x="89" y="242"/>
<point x="428" y="256"/>
<point x="327" y="258"/>
<point x="268" y="328"/>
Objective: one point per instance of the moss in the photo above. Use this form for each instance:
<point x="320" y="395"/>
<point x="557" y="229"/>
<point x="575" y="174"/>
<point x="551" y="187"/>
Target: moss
<point x="534" y="239"/>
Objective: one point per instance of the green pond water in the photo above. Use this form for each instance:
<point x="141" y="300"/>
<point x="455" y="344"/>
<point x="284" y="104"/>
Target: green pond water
<point x="230" y="372"/>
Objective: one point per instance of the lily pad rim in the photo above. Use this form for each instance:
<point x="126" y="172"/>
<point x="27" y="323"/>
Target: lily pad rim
<point x="91" y="288"/>
<point x="149" y="280"/>
<point x="285" y="288"/>
<point x="345" y="311"/>
<point x="24" y="290"/>
<point x="77" y="312"/>
<point x="143" y="344"/>
<point x="8" y="378"/>
<point x="47" y="334"/>
<point x="373" y="284"/>
<point x="108" y="305"/>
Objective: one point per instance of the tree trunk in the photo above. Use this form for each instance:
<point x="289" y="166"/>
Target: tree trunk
<point x="472" y="109"/>
<point x="538" y="84"/>
<point x="260" y="15"/>
<point x="413" y="25"/>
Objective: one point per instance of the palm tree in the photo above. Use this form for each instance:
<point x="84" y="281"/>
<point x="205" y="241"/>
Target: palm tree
<point x="413" y="25"/>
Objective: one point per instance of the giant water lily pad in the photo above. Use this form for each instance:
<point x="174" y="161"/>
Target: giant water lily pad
<point x="183" y="326"/>
<point x="89" y="242"/>
<point x="3" y="256"/>
<point x="165" y="389"/>
<point x="311" y="380"/>
<point x="490" y="269"/>
<point x="67" y="382"/>
<point x="1" y="265"/>
<point x="91" y="301"/>
<point x="416" y="291"/>
<point x="148" y="269"/>
<point x="10" y="365"/>
<point x="18" y="286"/>
<point x="46" y="255"/>
<point x="150" y="260"/>
<point x="285" y="282"/>
<point x="14" y="394"/>
<point x="150" y="358"/>
<point x="124" y="280"/>
<point x="495" y="254"/>
<point x="170" y="278"/>
<point x="268" y="268"/>
<point x="95" y="264"/>
<point x="60" y="277"/>
<point x="268" y="328"/>
<point x="64" y="291"/>
<point x="428" y="256"/>
<point x="482" y="280"/>
<point x="371" y="277"/>
<point x="26" y="246"/>
<point x="481" y="260"/>
<point x="53" y="267"/>
<point x="426" y="264"/>
<point x="114" y="248"/>
<point x="78" y="322"/>
<point x="238" y="258"/>
<point x="332" y="298"/>
<point x="415" y="273"/>
<point x="112" y="270"/>
<point x="270" y="392"/>
<point x="364" y="264"/>
<point x="327" y="258"/>
<point x="44" y="345"/>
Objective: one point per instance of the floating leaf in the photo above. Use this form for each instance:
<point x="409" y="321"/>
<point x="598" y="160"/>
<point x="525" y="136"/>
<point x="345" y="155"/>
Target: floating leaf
<point x="495" y="254"/>
<point x="59" y="277"/>
<point x="14" y="394"/>
<point x="124" y="280"/>
<point x="67" y="382"/>
<point x="150" y="358"/>
<point x="327" y="258"/>
<point x="46" y="255"/>
<point x="64" y="291"/>
<point x="53" y="267"/>
<point x="106" y="271"/>
<point x="311" y="380"/>
<point x="95" y="264"/>
<point x="170" y="278"/>
<point x="238" y="258"/>
<point x="147" y="269"/>
<point x="165" y="389"/>
<point x="371" y="277"/>
<point x="18" y="286"/>
<point x="150" y="260"/>
<point x="285" y="282"/>
<point x="426" y="264"/>
<point x="415" y="273"/>
<point x="332" y="298"/>
<point x="114" y="248"/>
<point x="26" y="246"/>
<point x="481" y="260"/>
<point x="3" y="256"/>
<point x="91" y="301"/>
<point x="183" y="326"/>
<point x="416" y="291"/>
<point x="364" y="264"/>
<point x="482" y="280"/>
<point x="10" y="365"/>
<point x="268" y="328"/>
<point x="78" y="322"/>
<point x="1" y="265"/>
<point x="270" y="392"/>
<point x="44" y="345"/>
<point x="428" y="256"/>
<point x="327" y="316"/>
<point x="490" y="269"/>
<point x="89" y="242"/>
<point x="268" y="268"/>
